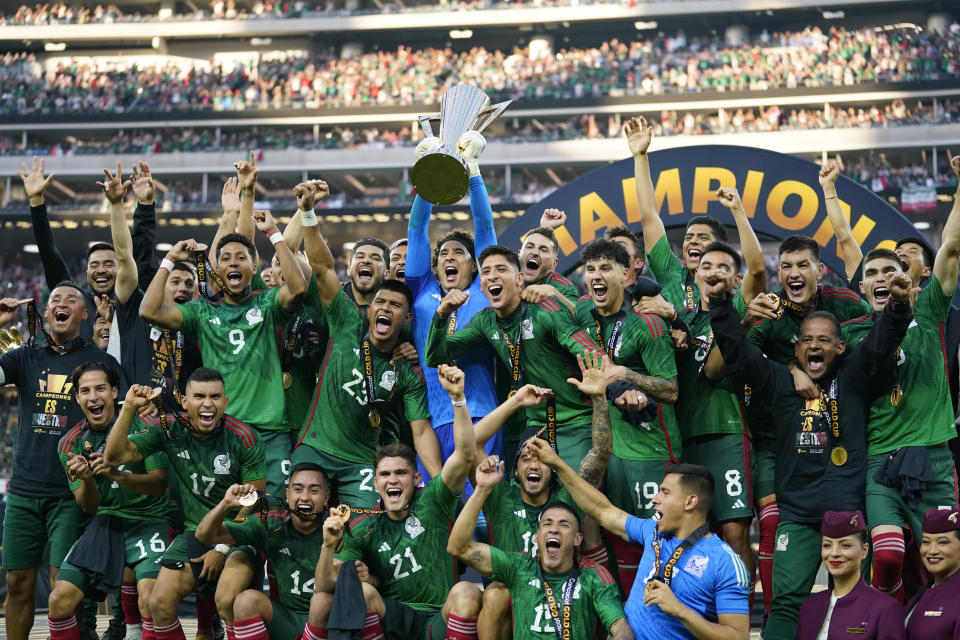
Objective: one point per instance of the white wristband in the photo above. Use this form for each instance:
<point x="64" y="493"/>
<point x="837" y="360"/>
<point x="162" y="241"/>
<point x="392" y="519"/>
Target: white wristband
<point x="308" y="218"/>
<point x="167" y="264"/>
<point x="276" y="237"/>
<point x="460" y="403"/>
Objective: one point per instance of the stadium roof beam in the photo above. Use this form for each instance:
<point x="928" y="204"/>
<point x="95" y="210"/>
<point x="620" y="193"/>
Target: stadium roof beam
<point x="524" y="15"/>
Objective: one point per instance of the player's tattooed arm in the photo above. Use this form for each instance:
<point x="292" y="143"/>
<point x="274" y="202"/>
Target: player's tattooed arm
<point x="593" y="383"/>
<point x="660" y="389"/>
<point x="461" y="543"/>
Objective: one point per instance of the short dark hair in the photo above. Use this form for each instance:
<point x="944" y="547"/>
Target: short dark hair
<point x="719" y="231"/>
<point x="306" y="465"/>
<point x="697" y="480"/>
<point x="560" y="504"/>
<point x="547" y="233"/>
<point x="799" y="243"/>
<point x="204" y="374"/>
<point x="99" y="246"/>
<point x="113" y="378"/>
<point x="877" y="254"/>
<point x="723" y="247"/>
<point x="396" y="450"/>
<point x="237" y="237"/>
<point x="370" y="241"/>
<point x="462" y="236"/>
<point x="398" y="287"/>
<point x="928" y="257"/>
<point x="184" y="266"/>
<point x="500" y="250"/>
<point x="620" y="231"/>
<point x="67" y="283"/>
<point x="604" y="249"/>
<point x="825" y="315"/>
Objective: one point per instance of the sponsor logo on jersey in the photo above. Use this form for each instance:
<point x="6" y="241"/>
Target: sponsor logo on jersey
<point x="215" y="321"/>
<point x="697" y="565"/>
<point x="535" y="583"/>
<point x="738" y="504"/>
<point x="384" y="548"/>
<point x="184" y="454"/>
<point x="520" y="514"/>
<point x="221" y="464"/>
<point x="495" y="335"/>
<point x="782" y="541"/>
<point x="388" y="379"/>
<point x="285" y="551"/>
<point x="526" y="329"/>
<point x="413" y="526"/>
<point x="254" y="316"/>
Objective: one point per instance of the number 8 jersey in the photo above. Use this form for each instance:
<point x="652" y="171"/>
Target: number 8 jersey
<point x="410" y="555"/>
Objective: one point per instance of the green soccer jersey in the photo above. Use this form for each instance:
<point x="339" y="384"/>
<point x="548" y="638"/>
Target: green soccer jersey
<point x="642" y="344"/>
<point x="563" y="285"/>
<point x="704" y="407"/>
<point x="924" y="416"/>
<point x="338" y="421"/>
<point x="776" y="338"/>
<point x="595" y="596"/>
<point x="679" y="287"/>
<point x="512" y="522"/>
<point x="302" y="367"/>
<point x="292" y="555"/>
<point x="116" y="499"/>
<point x="549" y="341"/>
<point x="240" y="341"/>
<point x="205" y="467"/>
<point x="409" y="556"/>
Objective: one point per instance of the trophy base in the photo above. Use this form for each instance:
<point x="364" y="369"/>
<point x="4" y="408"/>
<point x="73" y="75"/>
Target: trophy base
<point x="440" y="178"/>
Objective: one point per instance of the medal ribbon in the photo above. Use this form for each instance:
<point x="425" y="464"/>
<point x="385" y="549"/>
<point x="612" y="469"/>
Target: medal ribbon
<point x="831" y="411"/>
<point x="797" y="308"/>
<point x="34" y="322"/>
<point x="693" y="539"/>
<point x="516" y="369"/>
<point x="689" y="293"/>
<point x="451" y="328"/>
<point x="290" y="343"/>
<point x="368" y="375"/>
<point x="562" y="620"/>
<point x="611" y="344"/>
<point x="175" y="359"/>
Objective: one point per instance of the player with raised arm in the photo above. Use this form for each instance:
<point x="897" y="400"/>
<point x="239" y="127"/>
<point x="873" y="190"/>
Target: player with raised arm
<point x="131" y="505"/>
<point x="554" y="593"/>
<point x="694" y="585"/>
<point x="208" y="451"/>
<point x="403" y="543"/>
<point x="847" y="245"/>
<point x="537" y="343"/>
<point x="40" y="506"/>
<point x="360" y="383"/>
<point x="433" y="270"/>
<point x="238" y="335"/>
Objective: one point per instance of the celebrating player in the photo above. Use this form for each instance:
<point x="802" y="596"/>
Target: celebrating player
<point x="130" y="502"/>
<point x="538" y="260"/>
<point x="209" y="451"/>
<point x="418" y="596"/>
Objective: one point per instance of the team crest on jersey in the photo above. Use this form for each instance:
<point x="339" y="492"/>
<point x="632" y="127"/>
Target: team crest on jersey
<point x="254" y="316"/>
<point x="697" y="565"/>
<point x="388" y="379"/>
<point x="413" y="526"/>
<point x="526" y="329"/>
<point x="782" y="541"/>
<point x="221" y="464"/>
<point x="155" y="333"/>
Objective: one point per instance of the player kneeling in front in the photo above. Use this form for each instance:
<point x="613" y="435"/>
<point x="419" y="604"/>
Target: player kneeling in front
<point x="417" y="594"/>
<point x="554" y="594"/>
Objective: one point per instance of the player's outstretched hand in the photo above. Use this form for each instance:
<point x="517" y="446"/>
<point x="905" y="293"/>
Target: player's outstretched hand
<point x="530" y="395"/>
<point x="184" y="250"/>
<point x="138" y="396"/>
<point x="34" y="184"/>
<point x="230" y="196"/>
<point x="553" y="218"/>
<point x="306" y="193"/>
<point x="451" y="379"/>
<point x="594" y="381"/>
<point x="114" y="186"/>
<point x="454" y="299"/>
<point x="639" y="134"/>
<point x="900" y="286"/>
<point x="542" y="450"/>
<point x="829" y="174"/>
<point x="247" y="174"/>
<point x="265" y="222"/>
<point x="144" y="187"/>
<point x="489" y="472"/>
<point x="728" y="197"/>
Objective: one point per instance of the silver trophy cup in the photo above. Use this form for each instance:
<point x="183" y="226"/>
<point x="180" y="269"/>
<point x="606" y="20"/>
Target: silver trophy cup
<point x="440" y="175"/>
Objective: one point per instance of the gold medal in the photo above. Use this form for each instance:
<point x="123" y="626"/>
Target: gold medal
<point x="344" y="513"/>
<point x="896" y="395"/>
<point x="838" y="455"/>
<point x="287" y="378"/>
<point x="249" y="499"/>
<point x="777" y="302"/>
<point x="374" y="417"/>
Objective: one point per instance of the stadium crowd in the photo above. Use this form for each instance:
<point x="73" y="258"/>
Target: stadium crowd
<point x="407" y="76"/>
<point x="220" y="409"/>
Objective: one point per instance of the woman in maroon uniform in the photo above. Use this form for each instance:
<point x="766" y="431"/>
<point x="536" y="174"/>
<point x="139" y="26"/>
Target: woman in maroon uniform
<point x="935" y="613"/>
<point x="852" y="606"/>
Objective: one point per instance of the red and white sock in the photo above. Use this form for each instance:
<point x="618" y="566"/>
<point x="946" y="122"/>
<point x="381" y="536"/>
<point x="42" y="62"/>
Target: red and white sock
<point x="63" y="628"/>
<point x="888" y="552"/>
<point x="311" y="632"/>
<point x="250" y="629"/>
<point x="371" y="627"/>
<point x="148" y="632"/>
<point x="769" y="518"/>
<point x="228" y="629"/>
<point x="461" y="628"/>
<point x="128" y="602"/>
<point x="172" y="631"/>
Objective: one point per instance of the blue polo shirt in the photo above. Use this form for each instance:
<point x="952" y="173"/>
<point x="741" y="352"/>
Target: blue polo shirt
<point x="709" y="578"/>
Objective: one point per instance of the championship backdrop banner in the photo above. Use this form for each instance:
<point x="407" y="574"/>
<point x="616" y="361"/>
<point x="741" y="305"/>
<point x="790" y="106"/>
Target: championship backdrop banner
<point x="781" y="195"/>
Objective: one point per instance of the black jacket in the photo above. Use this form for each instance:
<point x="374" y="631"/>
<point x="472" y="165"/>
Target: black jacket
<point x="807" y="482"/>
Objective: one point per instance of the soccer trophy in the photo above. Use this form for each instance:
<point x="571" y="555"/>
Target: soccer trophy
<point x="440" y="174"/>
